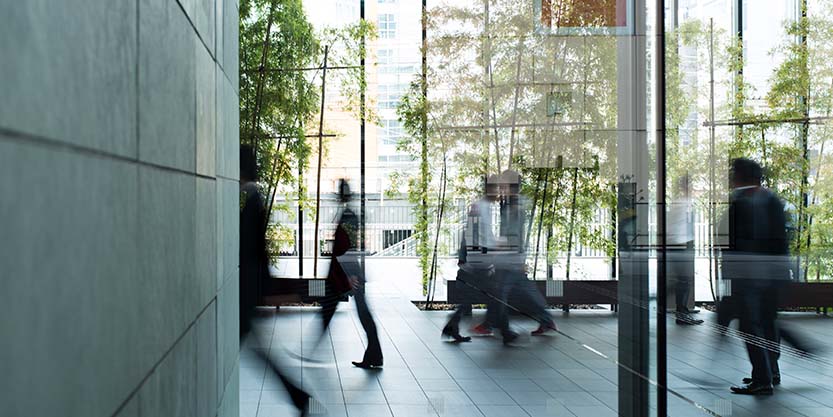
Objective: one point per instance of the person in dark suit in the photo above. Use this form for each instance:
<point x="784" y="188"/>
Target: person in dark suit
<point x="254" y="267"/>
<point x="338" y="284"/>
<point x="757" y="263"/>
<point x="347" y="276"/>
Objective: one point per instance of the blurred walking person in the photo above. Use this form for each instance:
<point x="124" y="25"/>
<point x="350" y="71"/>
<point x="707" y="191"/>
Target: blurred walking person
<point x="478" y="275"/>
<point x="507" y="255"/>
<point x="346" y="275"/>
<point x="254" y="268"/>
<point x="680" y="243"/>
<point x="757" y="263"/>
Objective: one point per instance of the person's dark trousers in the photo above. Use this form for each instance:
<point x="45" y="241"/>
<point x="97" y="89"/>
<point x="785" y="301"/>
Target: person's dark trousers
<point x="478" y="284"/>
<point x="373" y="353"/>
<point x="771" y="331"/>
<point x="682" y="269"/>
<point x="531" y="302"/>
<point x="299" y="397"/>
<point x="515" y="286"/>
<point x="775" y="332"/>
<point x="507" y="281"/>
<point x="454" y="321"/>
<point x="328" y="309"/>
<point x="756" y="322"/>
<point x="728" y="309"/>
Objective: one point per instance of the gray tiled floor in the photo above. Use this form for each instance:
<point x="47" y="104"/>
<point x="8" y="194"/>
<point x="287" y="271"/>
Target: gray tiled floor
<point x="546" y="376"/>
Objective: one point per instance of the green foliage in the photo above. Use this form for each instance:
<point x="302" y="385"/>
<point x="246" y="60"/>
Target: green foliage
<point x="277" y="102"/>
<point x="348" y="46"/>
<point x="279" y="99"/>
<point x="412" y="111"/>
<point x="475" y="61"/>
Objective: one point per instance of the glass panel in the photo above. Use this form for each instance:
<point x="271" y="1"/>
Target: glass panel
<point x="743" y="264"/>
<point x="522" y="181"/>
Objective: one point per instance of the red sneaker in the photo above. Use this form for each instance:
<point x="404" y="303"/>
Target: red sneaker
<point x="544" y="328"/>
<point x="481" y="330"/>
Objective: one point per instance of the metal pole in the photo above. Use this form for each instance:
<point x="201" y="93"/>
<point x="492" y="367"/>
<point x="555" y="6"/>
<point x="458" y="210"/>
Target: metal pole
<point x="362" y="110"/>
<point x="572" y="223"/>
<point x="300" y="219"/>
<point x="712" y="179"/>
<point x="316" y="246"/>
<point x="662" y="302"/>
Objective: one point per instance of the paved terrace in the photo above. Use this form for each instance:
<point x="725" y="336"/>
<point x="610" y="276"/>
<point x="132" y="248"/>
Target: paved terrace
<point x="547" y="376"/>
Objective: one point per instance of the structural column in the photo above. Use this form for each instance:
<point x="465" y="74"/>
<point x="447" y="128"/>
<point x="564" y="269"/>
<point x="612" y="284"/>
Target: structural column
<point x="633" y="165"/>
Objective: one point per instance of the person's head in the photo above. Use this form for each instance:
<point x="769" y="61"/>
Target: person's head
<point x="744" y="172"/>
<point x="510" y="183"/>
<point x="344" y="194"/>
<point x="248" y="164"/>
<point x="491" y="189"/>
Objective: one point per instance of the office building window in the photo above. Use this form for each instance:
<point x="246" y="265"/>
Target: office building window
<point x="396" y="158"/>
<point x="389" y="95"/>
<point x="389" y="131"/>
<point x="384" y="57"/>
<point x="387" y="26"/>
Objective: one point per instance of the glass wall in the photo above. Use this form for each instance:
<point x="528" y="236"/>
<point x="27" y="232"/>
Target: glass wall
<point x="620" y="124"/>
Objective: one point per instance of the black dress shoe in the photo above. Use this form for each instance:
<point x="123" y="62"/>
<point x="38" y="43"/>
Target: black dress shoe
<point x="509" y="338"/>
<point x="753" y="389"/>
<point x="776" y="380"/>
<point x="684" y="319"/>
<point x="455" y="335"/>
<point x="367" y="364"/>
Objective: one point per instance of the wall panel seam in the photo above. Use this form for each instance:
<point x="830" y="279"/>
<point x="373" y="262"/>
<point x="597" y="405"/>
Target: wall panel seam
<point x="24" y="137"/>
<point x="194" y="27"/>
<point x="156" y="365"/>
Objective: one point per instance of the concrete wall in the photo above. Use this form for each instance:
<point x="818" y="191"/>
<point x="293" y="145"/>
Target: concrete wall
<point x="118" y="208"/>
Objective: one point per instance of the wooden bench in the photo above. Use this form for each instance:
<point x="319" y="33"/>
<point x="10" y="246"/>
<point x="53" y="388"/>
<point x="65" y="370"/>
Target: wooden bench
<point x="796" y="295"/>
<point x="289" y="290"/>
<point x="808" y="294"/>
<point x="561" y="292"/>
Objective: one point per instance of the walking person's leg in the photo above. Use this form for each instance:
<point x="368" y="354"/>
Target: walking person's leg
<point x="373" y="353"/>
<point x="507" y="281"/>
<point x="328" y="310"/>
<point x="487" y="284"/>
<point x="682" y="263"/>
<point x="300" y="398"/>
<point x="452" y="328"/>
<point x="771" y="331"/>
<point x="537" y="307"/>
<point x="752" y="325"/>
